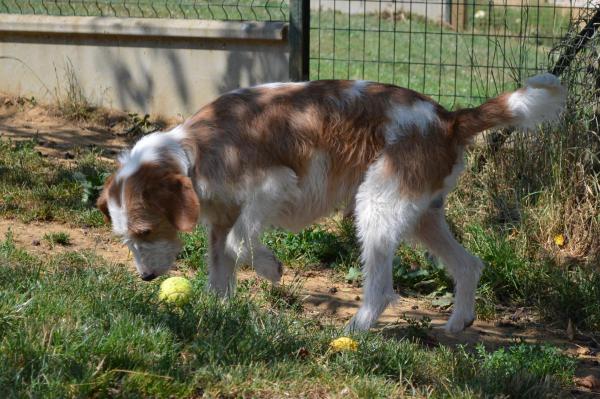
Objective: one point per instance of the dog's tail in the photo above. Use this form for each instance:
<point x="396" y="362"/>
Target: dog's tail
<point x="541" y="100"/>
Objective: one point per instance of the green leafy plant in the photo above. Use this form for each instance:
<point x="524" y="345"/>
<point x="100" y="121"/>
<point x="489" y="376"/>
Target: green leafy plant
<point x="418" y="329"/>
<point x="354" y="275"/>
<point x="314" y="245"/>
<point x="140" y="125"/>
<point x="91" y="185"/>
<point x="412" y="270"/>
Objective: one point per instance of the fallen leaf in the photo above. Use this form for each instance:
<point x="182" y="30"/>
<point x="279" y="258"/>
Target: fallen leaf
<point x="343" y="344"/>
<point x="302" y="353"/>
<point x="584" y="351"/>
<point x="590" y="382"/>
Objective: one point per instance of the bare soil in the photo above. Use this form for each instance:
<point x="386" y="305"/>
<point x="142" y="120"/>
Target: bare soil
<point x="324" y="295"/>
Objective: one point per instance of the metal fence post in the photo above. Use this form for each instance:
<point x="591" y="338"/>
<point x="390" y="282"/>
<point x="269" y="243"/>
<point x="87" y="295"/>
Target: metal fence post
<point x="299" y="39"/>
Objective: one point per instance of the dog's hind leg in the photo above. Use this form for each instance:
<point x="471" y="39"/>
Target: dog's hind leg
<point x="221" y="265"/>
<point x="432" y="231"/>
<point x="383" y="218"/>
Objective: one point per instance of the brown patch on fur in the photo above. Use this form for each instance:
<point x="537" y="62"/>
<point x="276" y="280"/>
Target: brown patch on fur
<point x="156" y="193"/>
<point x="422" y="161"/>
<point x="284" y="126"/>
<point x="493" y="113"/>
<point x="102" y="201"/>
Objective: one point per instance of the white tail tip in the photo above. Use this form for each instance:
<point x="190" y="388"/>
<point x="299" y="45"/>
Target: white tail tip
<point x="542" y="99"/>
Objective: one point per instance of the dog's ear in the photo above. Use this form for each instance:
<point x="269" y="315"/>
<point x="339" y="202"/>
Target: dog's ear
<point x="102" y="202"/>
<point x="179" y="202"/>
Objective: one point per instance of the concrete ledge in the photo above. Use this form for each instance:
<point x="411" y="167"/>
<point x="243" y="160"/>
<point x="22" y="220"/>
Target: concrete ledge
<point x="146" y="27"/>
<point x="157" y="66"/>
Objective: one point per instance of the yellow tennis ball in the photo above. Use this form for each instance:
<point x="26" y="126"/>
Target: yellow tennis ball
<point x="175" y="290"/>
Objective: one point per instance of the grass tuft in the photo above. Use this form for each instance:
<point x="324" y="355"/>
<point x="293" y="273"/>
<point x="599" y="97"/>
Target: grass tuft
<point x="57" y="238"/>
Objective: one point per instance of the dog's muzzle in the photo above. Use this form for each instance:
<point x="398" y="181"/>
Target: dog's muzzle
<point x="148" y="277"/>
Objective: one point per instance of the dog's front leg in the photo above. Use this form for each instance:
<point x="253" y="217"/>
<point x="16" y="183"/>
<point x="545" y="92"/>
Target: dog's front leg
<point x="221" y="265"/>
<point x="261" y="205"/>
<point x="243" y="242"/>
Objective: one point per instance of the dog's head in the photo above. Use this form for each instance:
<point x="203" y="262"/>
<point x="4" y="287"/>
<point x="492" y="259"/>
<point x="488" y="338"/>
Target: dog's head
<point x="148" y="201"/>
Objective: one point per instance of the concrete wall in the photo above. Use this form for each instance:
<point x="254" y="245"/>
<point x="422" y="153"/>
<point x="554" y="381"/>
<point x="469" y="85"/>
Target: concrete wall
<point x="157" y="66"/>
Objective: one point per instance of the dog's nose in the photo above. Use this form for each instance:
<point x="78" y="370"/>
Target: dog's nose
<point x="148" y="277"/>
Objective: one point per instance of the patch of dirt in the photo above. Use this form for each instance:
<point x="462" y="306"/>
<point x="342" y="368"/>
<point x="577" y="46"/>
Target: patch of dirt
<point x="22" y="119"/>
<point x="30" y="236"/>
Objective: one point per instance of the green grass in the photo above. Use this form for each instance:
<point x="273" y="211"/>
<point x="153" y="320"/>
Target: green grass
<point x="33" y="188"/>
<point x="540" y="23"/>
<point x="72" y="326"/>
<point x="57" y="238"/>
<point x="455" y="68"/>
<point x="317" y="245"/>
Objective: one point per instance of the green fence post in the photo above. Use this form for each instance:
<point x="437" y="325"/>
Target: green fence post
<point x="299" y="39"/>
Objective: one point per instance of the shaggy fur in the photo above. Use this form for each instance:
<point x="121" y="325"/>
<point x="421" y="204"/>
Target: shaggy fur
<point x="286" y="154"/>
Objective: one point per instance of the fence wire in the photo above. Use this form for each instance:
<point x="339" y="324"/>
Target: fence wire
<point x="458" y="52"/>
<point x="233" y="10"/>
<point x="579" y="64"/>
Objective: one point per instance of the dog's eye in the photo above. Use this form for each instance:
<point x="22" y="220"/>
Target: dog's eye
<point x="144" y="233"/>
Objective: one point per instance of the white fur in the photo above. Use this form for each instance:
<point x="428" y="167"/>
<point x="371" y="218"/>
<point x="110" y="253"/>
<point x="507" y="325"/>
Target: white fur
<point x="356" y="90"/>
<point x="150" y="148"/>
<point x="463" y="267"/>
<point x="383" y="218"/>
<point x="153" y="257"/>
<point x="118" y="217"/>
<point x="312" y="197"/>
<point x="277" y="85"/>
<point x="221" y="265"/>
<point x="243" y="241"/>
<point x="541" y="100"/>
<point x="421" y="115"/>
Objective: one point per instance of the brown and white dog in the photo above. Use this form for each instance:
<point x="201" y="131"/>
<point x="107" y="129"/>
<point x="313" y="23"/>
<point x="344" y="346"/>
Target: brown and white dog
<point x="285" y="154"/>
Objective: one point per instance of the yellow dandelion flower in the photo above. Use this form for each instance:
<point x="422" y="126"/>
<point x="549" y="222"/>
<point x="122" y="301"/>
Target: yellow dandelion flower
<point x="559" y="240"/>
<point x="343" y="344"/>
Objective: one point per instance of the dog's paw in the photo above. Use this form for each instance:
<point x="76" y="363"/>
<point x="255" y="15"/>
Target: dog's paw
<point x="459" y="321"/>
<point x="355" y="325"/>
<point x="362" y="320"/>
<point x="269" y="268"/>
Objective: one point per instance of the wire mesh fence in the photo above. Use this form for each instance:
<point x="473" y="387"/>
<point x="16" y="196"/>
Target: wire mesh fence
<point x="232" y="10"/>
<point x="457" y="52"/>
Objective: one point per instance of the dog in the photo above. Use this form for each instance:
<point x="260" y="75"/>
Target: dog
<point x="285" y="154"/>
